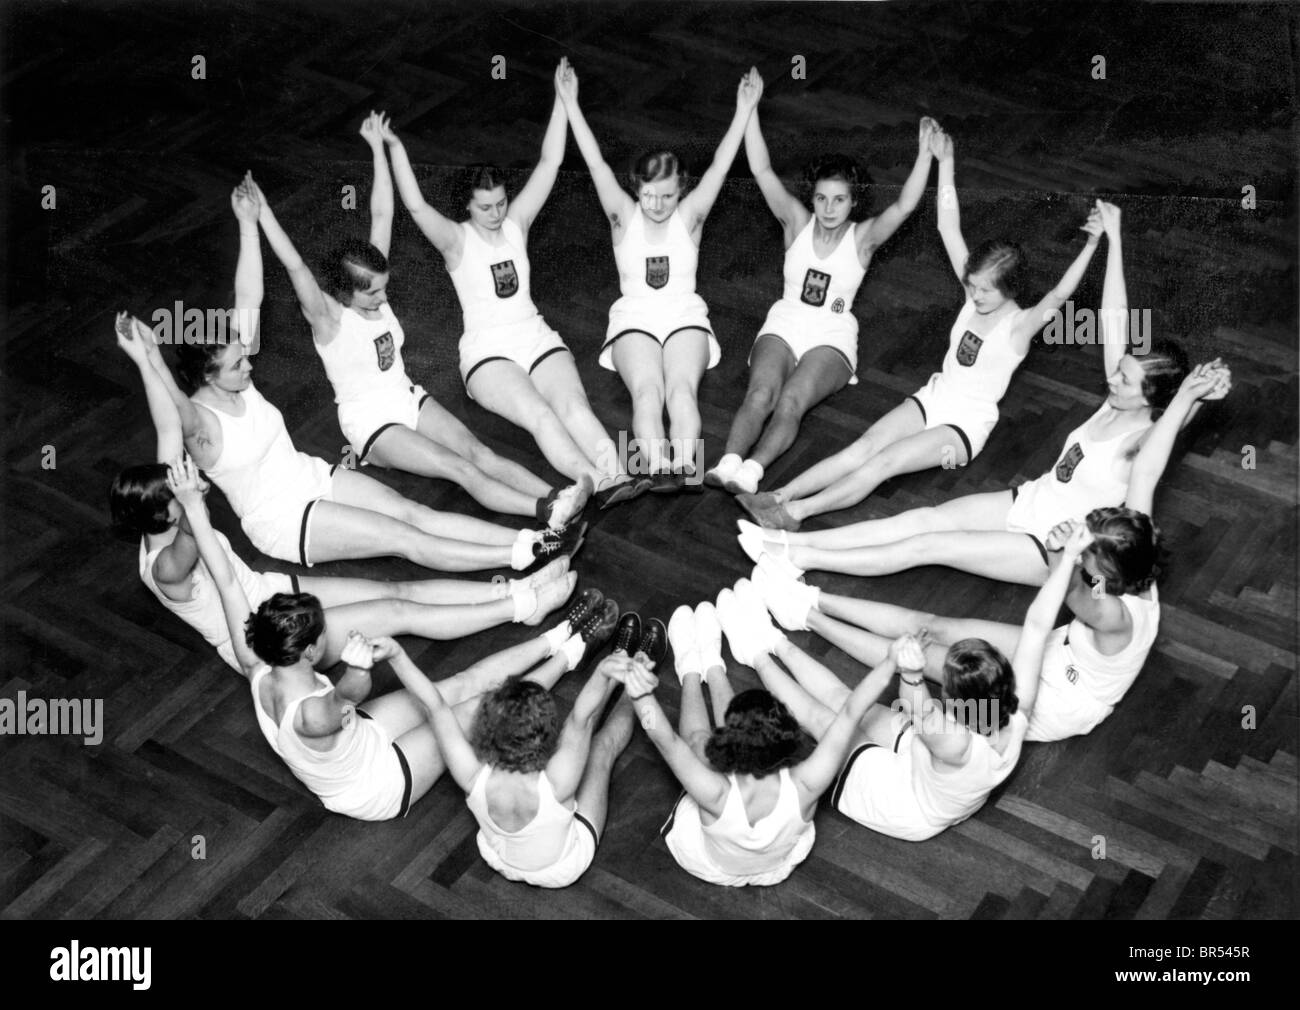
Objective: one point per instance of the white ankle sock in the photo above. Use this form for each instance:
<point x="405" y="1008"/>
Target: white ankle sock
<point x="556" y="637"/>
<point x="573" y="648"/>
<point x="525" y="600"/>
<point x="521" y="554"/>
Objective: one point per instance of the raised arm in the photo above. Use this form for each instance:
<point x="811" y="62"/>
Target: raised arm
<point x="700" y="201"/>
<point x="311" y="299"/>
<point x="1031" y="322"/>
<point x="1113" y="318"/>
<point x="442" y="233"/>
<point x="381" y="187"/>
<point x="456" y="751"/>
<point x="947" y="208"/>
<point x="185" y="483"/>
<point x="1027" y="663"/>
<point x="884" y="224"/>
<point x="614" y="201"/>
<point x="706" y="787"/>
<point x="525" y="207"/>
<point x="815" y="773"/>
<point x="135" y="339"/>
<point x="326" y="714"/>
<point x="248" y="269"/>
<point x="1210" y="381"/>
<point x="783" y="204"/>
<point x="570" y="759"/>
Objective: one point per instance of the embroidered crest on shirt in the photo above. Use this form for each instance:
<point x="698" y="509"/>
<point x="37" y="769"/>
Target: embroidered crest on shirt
<point x="837" y="306"/>
<point x="506" y="278"/>
<point x="384" y="351"/>
<point x="815" y="284"/>
<point x="1072" y="458"/>
<point x="656" y="271"/>
<point x="969" y="348"/>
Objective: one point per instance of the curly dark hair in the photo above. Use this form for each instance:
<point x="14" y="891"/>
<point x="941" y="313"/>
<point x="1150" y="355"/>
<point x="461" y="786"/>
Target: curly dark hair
<point x="758" y="736"/>
<point x="196" y="363"/>
<point x="1126" y="546"/>
<point x="517" y="728"/>
<point x="1008" y="262"/>
<point x="351" y="265"/>
<point x="839" y="167"/>
<point x="284" y="627"/>
<point x="1164" y="367"/>
<point x="138" y="500"/>
<point x="654" y="166"/>
<point x="975" y="671"/>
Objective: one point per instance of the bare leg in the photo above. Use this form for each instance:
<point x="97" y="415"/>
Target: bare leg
<point x="812" y="676"/>
<point x="340" y="531"/>
<point x="686" y="357"/>
<point x="1008" y="557"/>
<point x="376" y="618"/>
<point x="360" y="491"/>
<point x="811" y="714"/>
<point x="819" y="373"/>
<point x="613" y="738"/>
<point x="640" y="363"/>
<point x="940" y="446"/>
<point x="337" y="592"/>
<point x="903" y="420"/>
<point x="504" y="388"/>
<point x="771" y="361"/>
<point x="693" y="722"/>
<point x="556" y="379"/>
<point x="401" y="448"/>
<point x="985" y="511"/>
<point x="441" y="425"/>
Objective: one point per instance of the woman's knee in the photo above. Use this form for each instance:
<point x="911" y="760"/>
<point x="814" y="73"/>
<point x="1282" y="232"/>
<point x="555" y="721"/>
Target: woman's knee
<point x="762" y="398"/>
<point x="790" y="405"/>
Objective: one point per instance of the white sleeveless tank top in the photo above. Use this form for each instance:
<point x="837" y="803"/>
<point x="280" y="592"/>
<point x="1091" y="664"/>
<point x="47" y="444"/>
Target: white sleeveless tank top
<point x="1084" y="478"/>
<point x="492" y="281"/>
<point x="664" y="268"/>
<point x="364" y="360"/>
<point x="258" y="467"/>
<point x="202" y="611"/>
<point x="344" y="778"/>
<point x="823" y="285"/>
<point x="1108" y="678"/>
<point x="743" y="849"/>
<point x="538" y="844"/>
<point x="980" y="368"/>
<point x="950" y="796"/>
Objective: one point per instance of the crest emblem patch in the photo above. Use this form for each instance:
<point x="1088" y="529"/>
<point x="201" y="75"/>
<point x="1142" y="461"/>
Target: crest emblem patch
<point x="656" y="271"/>
<point x="815" y="284"/>
<point x="506" y="278"/>
<point x="384" y="351"/>
<point x="1072" y="458"/>
<point x="837" y="306"/>
<point x="969" y="348"/>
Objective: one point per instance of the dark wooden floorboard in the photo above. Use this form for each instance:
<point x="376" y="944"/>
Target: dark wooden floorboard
<point x="1197" y="814"/>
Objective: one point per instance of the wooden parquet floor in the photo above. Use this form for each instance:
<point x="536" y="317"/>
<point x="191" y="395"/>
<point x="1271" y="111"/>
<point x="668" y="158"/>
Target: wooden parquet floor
<point x="1198" y="814"/>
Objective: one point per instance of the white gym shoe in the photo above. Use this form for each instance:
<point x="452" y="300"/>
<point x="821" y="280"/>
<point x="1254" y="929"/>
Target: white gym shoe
<point x="790" y="602"/>
<point x="708" y="637"/>
<point x="745" y="479"/>
<point x="681" y="636"/>
<point x="735" y="627"/>
<point x="723" y="471"/>
<point x="753" y="612"/>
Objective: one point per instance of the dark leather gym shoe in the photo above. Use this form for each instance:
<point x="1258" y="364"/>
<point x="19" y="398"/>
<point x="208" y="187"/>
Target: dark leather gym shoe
<point x="629" y="633"/>
<point x="654" y="642"/>
<point x="597" y="628"/>
<point x="589" y="601"/>
<point x="563" y="505"/>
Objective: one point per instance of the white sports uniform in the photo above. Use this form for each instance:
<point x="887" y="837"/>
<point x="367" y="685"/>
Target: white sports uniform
<point x="552" y="850"/>
<point x="898" y="792"/>
<point x="270" y="484"/>
<point x="501" y="321"/>
<point x="203" y="611"/>
<point x="658" y="284"/>
<point x="733" y="852"/>
<point x="816" y="307"/>
<point x="1081" y="686"/>
<point x="975" y="375"/>
<point x="364" y="775"/>
<point x="365" y="367"/>
<point x="1083" y="479"/>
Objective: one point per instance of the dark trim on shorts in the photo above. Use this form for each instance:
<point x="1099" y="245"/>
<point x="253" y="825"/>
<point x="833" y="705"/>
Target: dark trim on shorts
<point x="302" y="531"/>
<point x="683" y="329"/>
<point x="423" y="400"/>
<point x="544" y="356"/>
<point x="406" y="772"/>
<point x="581" y="820"/>
<point x="921" y="407"/>
<point x="672" y="817"/>
<point x="293" y="581"/>
<point x="405" y="808"/>
<point x="1015" y="493"/>
<point x="470" y="374"/>
<point x="899" y="739"/>
<point x="842" y="778"/>
<point x="970" y="453"/>
<point x="623" y="333"/>
<point x="365" y="449"/>
<point x="1042" y="549"/>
